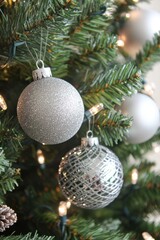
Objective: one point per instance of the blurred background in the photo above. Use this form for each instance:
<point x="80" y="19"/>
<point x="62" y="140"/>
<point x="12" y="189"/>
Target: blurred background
<point x="153" y="77"/>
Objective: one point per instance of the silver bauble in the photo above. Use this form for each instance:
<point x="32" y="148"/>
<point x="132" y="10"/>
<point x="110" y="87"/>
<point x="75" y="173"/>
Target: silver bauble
<point x="145" y="115"/>
<point x="141" y="26"/>
<point x="90" y="176"/>
<point x="50" y="110"/>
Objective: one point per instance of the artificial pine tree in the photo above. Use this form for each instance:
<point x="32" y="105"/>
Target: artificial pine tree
<point x="78" y="40"/>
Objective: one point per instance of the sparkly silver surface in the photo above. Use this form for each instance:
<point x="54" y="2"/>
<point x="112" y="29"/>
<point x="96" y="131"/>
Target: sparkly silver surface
<point x="146" y="117"/>
<point x="90" y="177"/>
<point x="50" y="110"/>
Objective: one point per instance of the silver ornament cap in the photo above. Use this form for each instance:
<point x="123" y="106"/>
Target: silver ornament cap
<point x="89" y="140"/>
<point x="42" y="72"/>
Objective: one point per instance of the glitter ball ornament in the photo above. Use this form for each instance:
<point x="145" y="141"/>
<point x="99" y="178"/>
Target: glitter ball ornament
<point x="140" y="26"/>
<point x="90" y="175"/>
<point x="50" y="110"/>
<point x="145" y="115"/>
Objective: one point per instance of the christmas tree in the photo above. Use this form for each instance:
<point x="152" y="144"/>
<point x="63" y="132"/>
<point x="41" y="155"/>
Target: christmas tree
<point x="42" y="161"/>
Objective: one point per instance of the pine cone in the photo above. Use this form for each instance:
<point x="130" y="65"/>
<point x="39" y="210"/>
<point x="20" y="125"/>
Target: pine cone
<point x="7" y="217"/>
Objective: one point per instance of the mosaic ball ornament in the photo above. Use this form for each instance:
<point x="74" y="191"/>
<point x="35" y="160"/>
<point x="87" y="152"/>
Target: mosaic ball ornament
<point x="90" y="177"/>
<point x="146" y="117"/>
<point x="139" y="28"/>
<point x="50" y="110"/>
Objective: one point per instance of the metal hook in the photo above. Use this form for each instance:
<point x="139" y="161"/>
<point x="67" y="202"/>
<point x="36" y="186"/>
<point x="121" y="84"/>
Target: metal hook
<point x="39" y="61"/>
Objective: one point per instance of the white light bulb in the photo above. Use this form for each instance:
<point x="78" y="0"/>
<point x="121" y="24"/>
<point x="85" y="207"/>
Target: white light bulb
<point x="3" y="104"/>
<point x="40" y="156"/>
<point x="134" y="176"/>
<point x="62" y="209"/>
<point x="120" y="43"/>
<point x="147" y="236"/>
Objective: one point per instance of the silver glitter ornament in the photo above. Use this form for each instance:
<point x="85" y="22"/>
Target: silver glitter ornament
<point x="50" y="110"/>
<point x="139" y="27"/>
<point x="90" y="175"/>
<point x="145" y="115"/>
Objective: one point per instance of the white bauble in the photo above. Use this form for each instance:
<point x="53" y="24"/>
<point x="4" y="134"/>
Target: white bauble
<point x="139" y="27"/>
<point x="50" y="110"/>
<point x="90" y="176"/>
<point x="145" y="115"/>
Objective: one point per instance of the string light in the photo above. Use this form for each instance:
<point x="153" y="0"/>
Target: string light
<point x="10" y="2"/>
<point x="94" y="110"/>
<point x="62" y="209"/>
<point x="156" y="147"/>
<point x="149" y="89"/>
<point x="3" y="104"/>
<point x="41" y="158"/>
<point x="134" y="176"/>
<point x="122" y="40"/>
<point x="63" y="206"/>
<point x="120" y="43"/>
<point x="127" y="15"/>
<point x="147" y="236"/>
<point x="68" y="204"/>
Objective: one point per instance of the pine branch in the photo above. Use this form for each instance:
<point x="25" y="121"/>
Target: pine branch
<point x="87" y="229"/>
<point x="111" y="127"/>
<point x="8" y="175"/>
<point x="10" y="136"/>
<point x="152" y="228"/>
<point x="30" y="16"/>
<point x="118" y="82"/>
<point x="150" y="54"/>
<point x="29" y="236"/>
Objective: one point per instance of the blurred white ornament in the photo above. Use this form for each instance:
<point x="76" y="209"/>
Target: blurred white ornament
<point x="50" y="110"/>
<point x="145" y="115"/>
<point x="140" y="26"/>
<point x="90" y="175"/>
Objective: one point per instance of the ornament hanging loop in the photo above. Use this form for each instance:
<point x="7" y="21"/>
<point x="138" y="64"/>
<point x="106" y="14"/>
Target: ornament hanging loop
<point x="89" y="134"/>
<point x="89" y="140"/>
<point x="39" y="62"/>
<point x="41" y="72"/>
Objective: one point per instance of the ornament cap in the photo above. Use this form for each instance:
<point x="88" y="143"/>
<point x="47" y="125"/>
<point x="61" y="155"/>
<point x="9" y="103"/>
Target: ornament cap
<point x="89" y="140"/>
<point x="42" y="72"/>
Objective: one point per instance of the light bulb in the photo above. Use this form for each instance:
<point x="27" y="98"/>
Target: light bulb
<point x="97" y="108"/>
<point x="120" y="43"/>
<point x="156" y="147"/>
<point x="68" y="204"/>
<point x="134" y="176"/>
<point x="40" y="157"/>
<point x="147" y="236"/>
<point x="3" y="104"/>
<point x="62" y="209"/>
<point x="94" y="110"/>
<point x="128" y="15"/>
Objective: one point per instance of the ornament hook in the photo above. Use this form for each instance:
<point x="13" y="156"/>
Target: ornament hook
<point x="38" y="63"/>
<point x="89" y="134"/>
